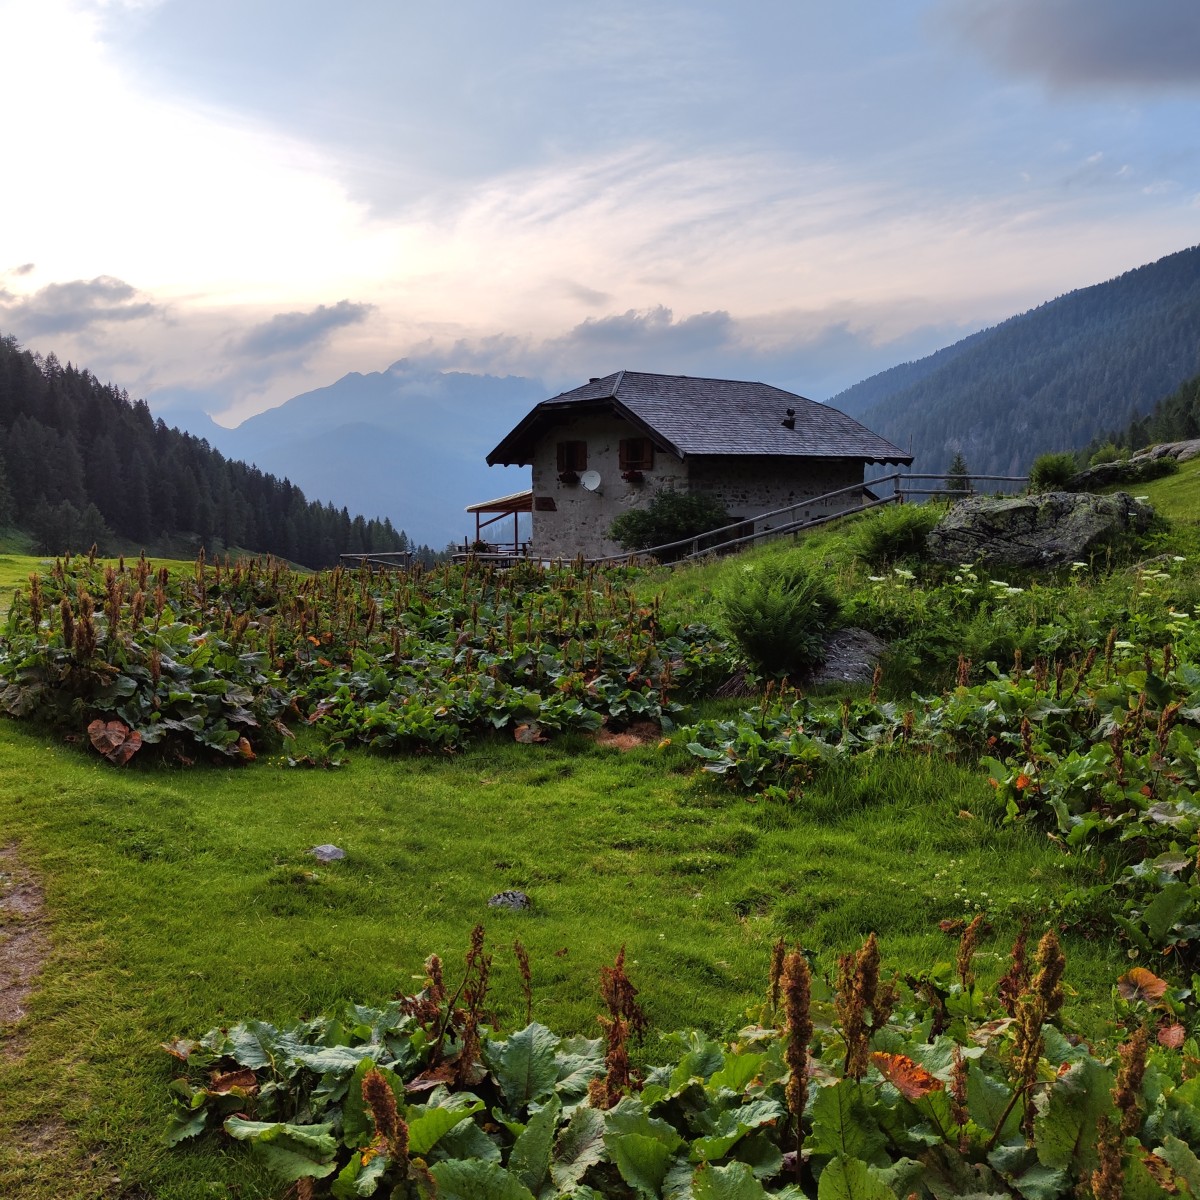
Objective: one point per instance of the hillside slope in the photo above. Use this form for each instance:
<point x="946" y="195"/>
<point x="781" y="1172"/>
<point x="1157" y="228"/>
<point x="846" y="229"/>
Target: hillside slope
<point x="82" y="464"/>
<point x="1052" y="378"/>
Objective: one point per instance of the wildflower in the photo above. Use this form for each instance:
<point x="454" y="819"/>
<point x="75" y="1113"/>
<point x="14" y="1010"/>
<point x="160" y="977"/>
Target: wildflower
<point x="1108" y="1182"/>
<point x="390" y="1128"/>
<point x="797" y="994"/>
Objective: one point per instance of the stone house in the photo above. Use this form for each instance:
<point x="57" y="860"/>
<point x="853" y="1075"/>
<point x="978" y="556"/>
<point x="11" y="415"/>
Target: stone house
<point x="611" y="444"/>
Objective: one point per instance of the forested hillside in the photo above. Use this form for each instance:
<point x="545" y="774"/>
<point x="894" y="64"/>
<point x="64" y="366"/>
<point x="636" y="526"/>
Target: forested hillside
<point x="81" y="463"/>
<point x="1053" y="378"/>
<point x="1173" y="419"/>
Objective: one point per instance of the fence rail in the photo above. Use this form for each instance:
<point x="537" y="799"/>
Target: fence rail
<point x="783" y="522"/>
<point x="701" y="545"/>
<point x="397" y="560"/>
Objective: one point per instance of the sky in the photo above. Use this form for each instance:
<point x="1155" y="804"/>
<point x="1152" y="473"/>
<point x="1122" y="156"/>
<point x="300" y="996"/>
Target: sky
<point x="219" y="204"/>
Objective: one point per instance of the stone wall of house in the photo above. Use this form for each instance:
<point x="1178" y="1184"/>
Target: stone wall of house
<point x="746" y="486"/>
<point x="749" y="485"/>
<point x="580" y="520"/>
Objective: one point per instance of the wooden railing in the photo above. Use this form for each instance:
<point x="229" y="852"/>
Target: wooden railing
<point x="733" y="536"/>
<point x="729" y="537"/>
<point x="397" y="560"/>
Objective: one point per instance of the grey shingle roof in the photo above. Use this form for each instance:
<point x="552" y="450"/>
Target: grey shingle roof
<point x="707" y="416"/>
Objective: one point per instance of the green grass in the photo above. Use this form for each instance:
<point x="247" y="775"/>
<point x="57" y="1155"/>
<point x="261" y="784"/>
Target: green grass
<point x="15" y="570"/>
<point x="1174" y="496"/>
<point x="182" y="900"/>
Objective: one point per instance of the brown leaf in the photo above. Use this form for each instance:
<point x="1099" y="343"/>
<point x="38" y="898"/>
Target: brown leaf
<point x="910" y="1079"/>
<point x="982" y="1034"/>
<point x="1143" y="985"/>
<point x="180" y="1048"/>
<point x="106" y="736"/>
<point x="115" y="740"/>
<point x="430" y="1079"/>
<point x="1161" y="1172"/>
<point x="1172" y="1036"/>
<point x="244" y="1080"/>
<point x="127" y="749"/>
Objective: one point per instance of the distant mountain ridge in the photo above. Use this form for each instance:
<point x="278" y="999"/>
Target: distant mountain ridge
<point x="1052" y="378"/>
<point x="409" y="442"/>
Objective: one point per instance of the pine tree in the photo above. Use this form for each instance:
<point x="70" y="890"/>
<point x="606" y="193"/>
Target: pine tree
<point x="958" y="478"/>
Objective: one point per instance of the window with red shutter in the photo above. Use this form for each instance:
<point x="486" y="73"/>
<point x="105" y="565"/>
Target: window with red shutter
<point x="637" y="454"/>
<point x="572" y="456"/>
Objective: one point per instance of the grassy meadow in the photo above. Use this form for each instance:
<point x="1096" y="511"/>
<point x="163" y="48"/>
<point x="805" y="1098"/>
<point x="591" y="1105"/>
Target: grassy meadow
<point x="181" y="898"/>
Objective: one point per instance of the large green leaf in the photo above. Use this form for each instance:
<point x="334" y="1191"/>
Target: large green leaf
<point x="290" y="1151"/>
<point x="579" y="1060"/>
<point x="987" y="1100"/>
<point x="642" y="1160"/>
<point x="469" y="1179"/>
<point x="1140" y="1184"/>
<point x="732" y="1126"/>
<point x="1180" y="1157"/>
<point x="427" y="1128"/>
<point x="524" y="1064"/>
<point x="732" y="1182"/>
<point x="467" y="1140"/>
<point x="580" y="1146"/>
<point x="704" y="1058"/>
<point x="843" y="1121"/>
<point x="761" y="1153"/>
<point x="530" y="1157"/>
<point x="1165" y="910"/>
<point x="1065" y="1129"/>
<point x="641" y="1146"/>
<point x="737" y="1072"/>
<point x="356" y="1180"/>
<point x="184" y="1126"/>
<point x="335" y="1060"/>
<point x="851" y="1179"/>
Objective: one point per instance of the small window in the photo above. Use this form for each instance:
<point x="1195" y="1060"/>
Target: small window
<point x="572" y="456"/>
<point x="637" y="454"/>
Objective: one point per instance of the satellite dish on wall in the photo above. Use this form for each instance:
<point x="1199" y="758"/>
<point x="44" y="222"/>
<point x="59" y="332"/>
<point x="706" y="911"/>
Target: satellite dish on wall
<point x="590" y="480"/>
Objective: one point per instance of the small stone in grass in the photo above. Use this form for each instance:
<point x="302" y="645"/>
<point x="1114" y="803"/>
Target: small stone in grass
<point x="327" y="853"/>
<point x="513" y="900"/>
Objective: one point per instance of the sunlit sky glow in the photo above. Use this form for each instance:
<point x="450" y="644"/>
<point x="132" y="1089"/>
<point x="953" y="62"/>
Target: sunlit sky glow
<point x="222" y="204"/>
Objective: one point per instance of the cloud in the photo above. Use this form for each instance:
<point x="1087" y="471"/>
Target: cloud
<point x="655" y="330"/>
<point x="75" y="306"/>
<point x="23" y="269"/>
<point x="584" y="294"/>
<point x="286" y="333"/>
<point x="815" y="353"/>
<point x="1086" y="43"/>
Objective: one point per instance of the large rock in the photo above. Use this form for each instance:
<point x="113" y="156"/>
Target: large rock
<point x="1046" y="530"/>
<point x="851" y="656"/>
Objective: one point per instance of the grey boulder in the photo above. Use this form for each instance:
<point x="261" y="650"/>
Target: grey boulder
<point x="1050" y="529"/>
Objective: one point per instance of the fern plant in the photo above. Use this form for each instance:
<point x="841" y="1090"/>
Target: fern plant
<point x="779" y="614"/>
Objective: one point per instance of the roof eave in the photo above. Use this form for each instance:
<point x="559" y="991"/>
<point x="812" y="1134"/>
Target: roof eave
<point x="516" y="449"/>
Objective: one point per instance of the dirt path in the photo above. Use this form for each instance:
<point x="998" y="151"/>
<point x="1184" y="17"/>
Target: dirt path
<point x="23" y="943"/>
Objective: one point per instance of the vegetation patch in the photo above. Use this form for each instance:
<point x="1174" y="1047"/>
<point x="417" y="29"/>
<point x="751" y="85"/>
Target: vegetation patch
<point x="229" y="661"/>
<point x="843" y="1087"/>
